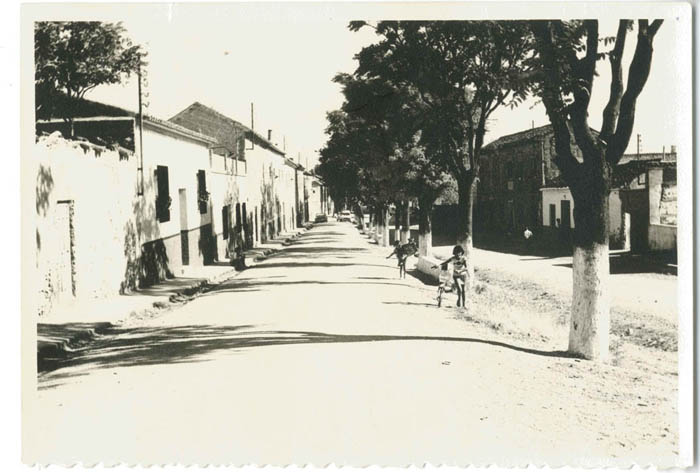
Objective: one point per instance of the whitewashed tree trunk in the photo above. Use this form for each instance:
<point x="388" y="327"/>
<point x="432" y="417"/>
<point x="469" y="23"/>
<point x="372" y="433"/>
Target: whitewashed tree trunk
<point x="405" y="222"/>
<point x="589" y="334"/>
<point x="425" y="243"/>
<point x="425" y="234"/>
<point x="383" y="228"/>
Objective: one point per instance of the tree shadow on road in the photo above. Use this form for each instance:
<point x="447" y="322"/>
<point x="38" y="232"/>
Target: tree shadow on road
<point x="421" y="304"/>
<point x="275" y="263"/>
<point x="142" y="346"/>
<point x="253" y="284"/>
<point x="300" y="249"/>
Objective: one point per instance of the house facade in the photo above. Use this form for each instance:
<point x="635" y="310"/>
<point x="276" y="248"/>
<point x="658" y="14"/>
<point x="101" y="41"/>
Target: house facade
<point x="262" y="203"/>
<point x="131" y="201"/>
<point x="520" y="186"/>
<point x="152" y="224"/>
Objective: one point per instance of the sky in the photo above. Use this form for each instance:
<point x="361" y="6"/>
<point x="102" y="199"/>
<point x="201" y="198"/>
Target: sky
<point x="282" y="59"/>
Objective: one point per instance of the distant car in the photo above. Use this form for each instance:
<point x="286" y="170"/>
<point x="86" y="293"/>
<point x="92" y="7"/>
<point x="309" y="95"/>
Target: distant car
<point x="346" y="216"/>
<point x="321" y="218"/>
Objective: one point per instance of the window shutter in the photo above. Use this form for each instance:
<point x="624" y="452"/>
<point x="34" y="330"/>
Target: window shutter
<point x="163" y="197"/>
<point x="225" y="220"/>
<point x="202" y="191"/>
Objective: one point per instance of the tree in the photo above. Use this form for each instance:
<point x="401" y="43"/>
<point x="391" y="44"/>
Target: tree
<point x="568" y="53"/>
<point x="459" y="72"/>
<point x="354" y="161"/>
<point x="72" y="58"/>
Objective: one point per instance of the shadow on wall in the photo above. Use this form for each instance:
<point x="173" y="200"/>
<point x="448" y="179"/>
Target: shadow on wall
<point x="146" y="263"/>
<point x="268" y="206"/>
<point x="44" y="187"/>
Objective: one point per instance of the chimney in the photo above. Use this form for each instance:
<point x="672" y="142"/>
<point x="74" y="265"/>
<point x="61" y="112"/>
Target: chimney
<point x="269" y="135"/>
<point x="673" y="149"/>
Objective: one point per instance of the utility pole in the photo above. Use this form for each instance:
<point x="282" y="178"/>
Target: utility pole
<point x="639" y="144"/>
<point x="252" y="127"/>
<point x="140" y="122"/>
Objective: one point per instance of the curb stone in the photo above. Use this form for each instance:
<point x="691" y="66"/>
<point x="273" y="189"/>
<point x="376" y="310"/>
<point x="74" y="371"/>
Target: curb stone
<point x="68" y="340"/>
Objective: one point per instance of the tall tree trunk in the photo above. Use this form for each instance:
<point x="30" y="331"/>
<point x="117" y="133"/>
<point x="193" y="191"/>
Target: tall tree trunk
<point x="405" y="222"/>
<point x="589" y="334"/>
<point x="398" y="209"/>
<point x="385" y="226"/>
<point x="466" y="187"/>
<point x="425" y="235"/>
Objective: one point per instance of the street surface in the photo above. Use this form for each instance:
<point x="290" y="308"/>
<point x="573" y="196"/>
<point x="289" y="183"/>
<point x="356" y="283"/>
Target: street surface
<point x="321" y="354"/>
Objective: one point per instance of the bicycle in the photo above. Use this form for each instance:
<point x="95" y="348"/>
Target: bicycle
<point x="443" y="281"/>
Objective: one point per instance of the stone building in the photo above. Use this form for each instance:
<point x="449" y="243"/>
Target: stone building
<point x="516" y="172"/>
<point x="520" y="186"/>
<point x="648" y="195"/>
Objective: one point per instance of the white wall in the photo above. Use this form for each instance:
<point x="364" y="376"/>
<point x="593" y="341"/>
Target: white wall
<point x="102" y="188"/>
<point x="266" y="169"/>
<point x="556" y="195"/>
<point x="184" y="158"/>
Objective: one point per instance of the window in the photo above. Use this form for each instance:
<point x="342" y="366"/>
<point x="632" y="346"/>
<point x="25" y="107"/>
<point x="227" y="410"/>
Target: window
<point x="202" y="194"/>
<point x="226" y="220"/>
<point x="163" y="199"/>
<point x="642" y="178"/>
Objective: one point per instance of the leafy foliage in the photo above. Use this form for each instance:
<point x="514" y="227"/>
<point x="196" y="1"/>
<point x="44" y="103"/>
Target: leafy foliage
<point x="374" y="155"/>
<point x="72" y="58"/>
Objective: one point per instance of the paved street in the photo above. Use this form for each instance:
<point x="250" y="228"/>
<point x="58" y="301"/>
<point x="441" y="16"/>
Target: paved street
<point x="320" y="353"/>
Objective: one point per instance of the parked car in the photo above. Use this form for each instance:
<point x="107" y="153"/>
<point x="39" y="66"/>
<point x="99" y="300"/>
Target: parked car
<point x="321" y="218"/>
<point x="346" y="216"/>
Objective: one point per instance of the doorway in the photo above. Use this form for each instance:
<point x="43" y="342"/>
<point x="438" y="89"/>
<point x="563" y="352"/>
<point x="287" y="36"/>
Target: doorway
<point x="566" y="214"/>
<point x="65" y="280"/>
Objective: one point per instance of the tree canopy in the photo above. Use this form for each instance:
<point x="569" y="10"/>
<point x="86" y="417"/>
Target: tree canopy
<point x="73" y="57"/>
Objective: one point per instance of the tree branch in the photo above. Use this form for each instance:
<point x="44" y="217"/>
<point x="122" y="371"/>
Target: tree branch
<point x="636" y="79"/>
<point x="551" y="97"/>
<point x="612" y="109"/>
<point x="582" y="92"/>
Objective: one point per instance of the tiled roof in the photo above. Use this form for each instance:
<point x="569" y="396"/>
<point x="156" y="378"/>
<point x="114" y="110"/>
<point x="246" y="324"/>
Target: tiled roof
<point x="520" y="136"/>
<point x="205" y="119"/>
<point x="87" y="109"/>
<point x="663" y="158"/>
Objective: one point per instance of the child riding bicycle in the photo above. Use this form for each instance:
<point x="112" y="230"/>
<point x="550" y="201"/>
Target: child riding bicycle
<point x="402" y="253"/>
<point x="459" y="272"/>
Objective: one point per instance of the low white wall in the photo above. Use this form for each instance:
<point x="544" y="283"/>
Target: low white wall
<point x="662" y="237"/>
<point x="425" y="265"/>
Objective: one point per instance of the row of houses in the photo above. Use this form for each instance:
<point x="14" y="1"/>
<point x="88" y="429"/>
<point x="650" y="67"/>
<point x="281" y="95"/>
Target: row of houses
<point x="134" y="200"/>
<point x="520" y="186"/>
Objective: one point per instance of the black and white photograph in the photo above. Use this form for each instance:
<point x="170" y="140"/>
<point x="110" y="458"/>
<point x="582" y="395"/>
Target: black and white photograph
<point x="357" y="234"/>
